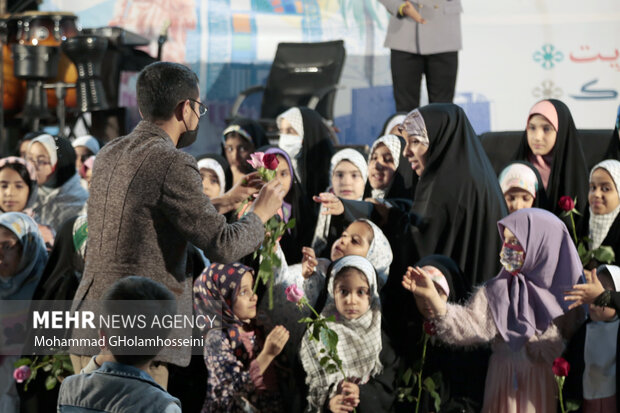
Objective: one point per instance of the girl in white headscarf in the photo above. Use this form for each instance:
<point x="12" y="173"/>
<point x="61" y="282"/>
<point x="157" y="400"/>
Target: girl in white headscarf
<point x="604" y="206"/>
<point x="60" y="194"/>
<point x="348" y="175"/>
<point x="354" y="301"/>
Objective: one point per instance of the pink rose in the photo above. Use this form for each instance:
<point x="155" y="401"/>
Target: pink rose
<point x="294" y="294"/>
<point x="256" y="160"/>
<point x="270" y="161"/>
<point x="21" y="374"/>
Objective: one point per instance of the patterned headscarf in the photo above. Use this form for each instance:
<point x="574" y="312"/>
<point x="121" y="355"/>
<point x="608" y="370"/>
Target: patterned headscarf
<point x="379" y="253"/>
<point x="359" y="340"/>
<point x="352" y="156"/>
<point x="212" y="164"/>
<point x="599" y="224"/>
<point x="22" y="284"/>
<point x="393" y="144"/>
<point x="518" y="175"/>
<point x="293" y="116"/>
<point x="414" y="125"/>
<point x="32" y="174"/>
<point x="214" y="294"/>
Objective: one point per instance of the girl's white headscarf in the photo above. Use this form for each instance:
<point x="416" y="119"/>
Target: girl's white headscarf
<point x="359" y="340"/>
<point x="600" y="224"/>
<point x="212" y="164"/>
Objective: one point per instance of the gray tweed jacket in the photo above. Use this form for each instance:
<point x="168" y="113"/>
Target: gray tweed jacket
<point x="146" y="204"/>
<point x="441" y="32"/>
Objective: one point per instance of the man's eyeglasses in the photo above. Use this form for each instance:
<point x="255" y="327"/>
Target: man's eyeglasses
<point x="202" y="109"/>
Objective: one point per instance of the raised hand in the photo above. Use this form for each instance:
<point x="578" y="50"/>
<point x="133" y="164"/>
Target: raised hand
<point x="275" y="341"/>
<point x="308" y="262"/>
<point x="420" y="283"/>
<point x="585" y="293"/>
<point x="330" y="202"/>
<point x="269" y="200"/>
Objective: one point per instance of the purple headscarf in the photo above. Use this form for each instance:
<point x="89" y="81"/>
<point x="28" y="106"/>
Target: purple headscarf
<point x="526" y="303"/>
<point x="286" y="207"/>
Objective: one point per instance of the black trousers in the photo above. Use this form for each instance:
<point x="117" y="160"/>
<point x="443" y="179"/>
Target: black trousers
<point x="407" y="69"/>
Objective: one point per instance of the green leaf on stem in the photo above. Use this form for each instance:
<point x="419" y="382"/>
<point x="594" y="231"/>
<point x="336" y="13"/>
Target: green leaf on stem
<point x="572" y="405"/>
<point x="407" y="376"/>
<point x="50" y="382"/>
<point x="24" y="361"/>
<point x="604" y="254"/>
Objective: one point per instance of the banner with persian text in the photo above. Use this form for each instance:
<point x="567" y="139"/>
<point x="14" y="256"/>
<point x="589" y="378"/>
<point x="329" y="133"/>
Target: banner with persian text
<point x="515" y="52"/>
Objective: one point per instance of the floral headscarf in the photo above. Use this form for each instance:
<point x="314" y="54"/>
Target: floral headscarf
<point x="214" y="294"/>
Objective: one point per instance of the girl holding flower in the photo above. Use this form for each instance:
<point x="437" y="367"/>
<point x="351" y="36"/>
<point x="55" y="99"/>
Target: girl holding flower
<point x="603" y="222"/>
<point x="517" y="312"/>
<point x="362" y="348"/>
<point x="238" y="356"/>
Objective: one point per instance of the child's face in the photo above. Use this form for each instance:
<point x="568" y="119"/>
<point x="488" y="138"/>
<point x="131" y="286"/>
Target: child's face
<point x="347" y="181"/>
<point x="352" y="294"/>
<point x="13" y="191"/>
<point x="381" y="167"/>
<point x="82" y="153"/>
<point x="40" y="158"/>
<point x="210" y="184"/>
<point x="517" y="198"/>
<point x="238" y="151"/>
<point x="283" y="173"/>
<point x="244" y="305"/>
<point x="355" y="240"/>
<point x="603" y="313"/>
<point x="603" y="195"/>
<point x="541" y="135"/>
<point x="10" y="253"/>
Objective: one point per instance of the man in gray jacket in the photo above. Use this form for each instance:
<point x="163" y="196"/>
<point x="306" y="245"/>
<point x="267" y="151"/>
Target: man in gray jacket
<point x="424" y="38"/>
<point x="146" y="203"/>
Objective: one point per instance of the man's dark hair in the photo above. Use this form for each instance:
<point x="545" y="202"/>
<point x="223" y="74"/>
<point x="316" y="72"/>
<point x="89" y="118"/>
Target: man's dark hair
<point x="160" y="88"/>
<point x="158" y="300"/>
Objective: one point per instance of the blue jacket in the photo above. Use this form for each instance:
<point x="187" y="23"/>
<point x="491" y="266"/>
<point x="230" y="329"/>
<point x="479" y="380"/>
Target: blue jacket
<point x="115" y="388"/>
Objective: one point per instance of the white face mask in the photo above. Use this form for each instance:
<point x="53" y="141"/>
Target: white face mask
<point x="291" y="144"/>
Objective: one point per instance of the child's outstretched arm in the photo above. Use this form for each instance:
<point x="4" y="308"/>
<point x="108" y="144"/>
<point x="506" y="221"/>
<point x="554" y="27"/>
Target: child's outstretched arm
<point x="330" y="202"/>
<point x="420" y="283"/>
